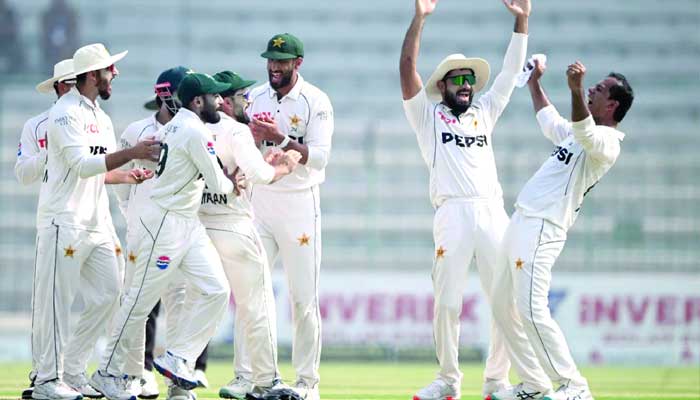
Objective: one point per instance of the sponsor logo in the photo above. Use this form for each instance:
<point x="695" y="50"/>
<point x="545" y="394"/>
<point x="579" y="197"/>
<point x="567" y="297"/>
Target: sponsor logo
<point x="163" y="262"/>
<point x="92" y="128"/>
<point x="464" y="141"/>
<point x="563" y="154"/>
<point x="19" y="149"/>
<point x="446" y="119"/>
<point x="263" y="115"/>
<point x="210" y="148"/>
<point x="95" y="150"/>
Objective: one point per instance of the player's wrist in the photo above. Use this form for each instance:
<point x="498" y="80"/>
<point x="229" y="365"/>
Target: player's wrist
<point x="285" y="142"/>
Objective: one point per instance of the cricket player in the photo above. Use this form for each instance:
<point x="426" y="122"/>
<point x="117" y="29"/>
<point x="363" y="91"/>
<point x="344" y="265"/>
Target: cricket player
<point x="585" y="149"/>
<point x="229" y="223"/>
<point x="173" y="244"/>
<point x="133" y="199"/>
<point x="75" y="243"/>
<point x="31" y="154"/>
<point x="289" y="113"/>
<point x="455" y="139"/>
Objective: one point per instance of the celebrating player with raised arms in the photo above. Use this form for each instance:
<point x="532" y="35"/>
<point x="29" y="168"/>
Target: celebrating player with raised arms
<point x="586" y="149"/>
<point x="454" y="133"/>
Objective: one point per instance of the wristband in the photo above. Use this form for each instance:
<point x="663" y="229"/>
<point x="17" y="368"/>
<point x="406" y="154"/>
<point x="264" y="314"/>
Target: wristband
<point x="284" y="142"/>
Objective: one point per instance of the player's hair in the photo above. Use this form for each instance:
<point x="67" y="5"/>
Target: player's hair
<point x="623" y="94"/>
<point x="80" y="79"/>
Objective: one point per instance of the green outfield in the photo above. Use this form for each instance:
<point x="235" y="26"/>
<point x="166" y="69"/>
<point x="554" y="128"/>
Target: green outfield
<point x="389" y="381"/>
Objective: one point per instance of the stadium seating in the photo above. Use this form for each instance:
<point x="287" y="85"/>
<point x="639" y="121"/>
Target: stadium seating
<point x="644" y="215"/>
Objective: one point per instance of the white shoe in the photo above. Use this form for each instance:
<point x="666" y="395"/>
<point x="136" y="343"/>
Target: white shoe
<point x="80" y="383"/>
<point x="438" y="390"/>
<point x="570" y="392"/>
<point x="517" y="392"/>
<point x="303" y="390"/>
<point x="55" y="390"/>
<point x="201" y="378"/>
<point x="236" y="389"/>
<point x="176" y="369"/>
<point x="114" y="388"/>
<point x="149" y="386"/>
<point x="494" y="385"/>
<point x="178" y="393"/>
<point x="133" y="385"/>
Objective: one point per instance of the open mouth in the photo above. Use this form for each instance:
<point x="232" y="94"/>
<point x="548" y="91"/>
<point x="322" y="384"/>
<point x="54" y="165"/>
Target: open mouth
<point x="463" y="95"/>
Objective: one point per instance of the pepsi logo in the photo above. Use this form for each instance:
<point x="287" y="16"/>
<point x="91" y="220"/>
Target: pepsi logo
<point x="210" y="148"/>
<point x="163" y="262"/>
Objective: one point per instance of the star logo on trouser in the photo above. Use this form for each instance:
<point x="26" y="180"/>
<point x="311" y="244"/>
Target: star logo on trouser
<point x="440" y="252"/>
<point x="118" y="250"/>
<point x="303" y="240"/>
<point x="519" y="263"/>
<point x="132" y="257"/>
<point x="70" y="251"/>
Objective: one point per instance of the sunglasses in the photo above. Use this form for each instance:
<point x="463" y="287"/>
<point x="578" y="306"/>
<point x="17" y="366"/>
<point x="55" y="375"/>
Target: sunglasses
<point x="460" y="79"/>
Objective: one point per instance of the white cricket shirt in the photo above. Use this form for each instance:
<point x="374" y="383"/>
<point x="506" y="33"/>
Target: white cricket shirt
<point x="584" y="152"/>
<point x="305" y="114"/>
<point x="235" y="147"/>
<point x="187" y="161"/>
<point x="31" y="154"/>
<point x="132" y="198"/>
<point x="458" y="149"/>
<point x="79" y="136"/>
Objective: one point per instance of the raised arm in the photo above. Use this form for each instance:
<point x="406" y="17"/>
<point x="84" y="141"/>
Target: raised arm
<point x="539" y="97"/>
<point x="574" y="75"/>
<point x="411" y="83"/>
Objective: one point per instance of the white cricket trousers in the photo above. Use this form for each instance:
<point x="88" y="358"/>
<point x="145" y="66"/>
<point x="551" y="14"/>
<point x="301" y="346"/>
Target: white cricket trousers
<point x="533" y="245"/>
<point x="71" y="260"/>
<point x="245" y="263"/>
<point x="464" y="229"/>
<point x="170" y="247"/>
<point x="289" y="224"/>
<point x="172" y="301"/>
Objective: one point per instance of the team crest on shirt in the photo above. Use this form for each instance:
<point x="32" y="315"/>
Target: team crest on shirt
<point x="163" y="262"/>
<point x="210" y="148"/>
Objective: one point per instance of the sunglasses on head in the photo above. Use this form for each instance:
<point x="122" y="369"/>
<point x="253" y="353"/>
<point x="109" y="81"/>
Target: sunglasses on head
<point x="460" y="79"/>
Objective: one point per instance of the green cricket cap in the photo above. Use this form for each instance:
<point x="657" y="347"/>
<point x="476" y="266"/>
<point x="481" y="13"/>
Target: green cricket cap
<point x="284" y="46"/>
<point x="234" y="81"/>
<point x="197" y="84"/>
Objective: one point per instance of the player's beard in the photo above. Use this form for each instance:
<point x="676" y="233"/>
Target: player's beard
<point x="104" y="86"/>
<point x="210" y="112"/>
<point x="457" y="106"/>
<point x="286" y="79"/>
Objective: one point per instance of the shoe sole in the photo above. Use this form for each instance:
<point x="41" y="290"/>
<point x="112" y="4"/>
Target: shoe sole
<point x="149" y="396"/>
<point x="181" y="382"/>
<point x="40" y="397"/>
<point x="225" y="395"/>
<point x="27" y="394"/>
<point x="444" y="398"/>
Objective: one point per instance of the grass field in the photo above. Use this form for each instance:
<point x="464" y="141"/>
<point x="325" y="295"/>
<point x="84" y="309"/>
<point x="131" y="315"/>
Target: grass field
<point x="394" y="381"/>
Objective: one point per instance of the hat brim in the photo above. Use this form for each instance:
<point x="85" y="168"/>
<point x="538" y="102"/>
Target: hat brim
<point x="480" y="67"/>
<point x="242" y="85"/>
<point x="151" y="104"/>
<point x="278" y="55"/>
<point x="103" y="64"/>
<point x="47" y="85"/>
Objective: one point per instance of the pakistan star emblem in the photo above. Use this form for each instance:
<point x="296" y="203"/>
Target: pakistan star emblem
<point x="519" y="264"/>
<point x="118" y="250"/>
<point x="303" y="240"/>
<point x="70" y="251"/>
<point x="440" y="252"/>
<point x="277" y="42"/>
<point x="132" y="257"/>
<point x="294" y="120"/>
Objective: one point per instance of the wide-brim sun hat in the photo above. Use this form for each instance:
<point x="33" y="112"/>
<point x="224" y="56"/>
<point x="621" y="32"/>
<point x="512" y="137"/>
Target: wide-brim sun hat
<point x="457" y="61"/>
<point x="94" y="57"/>
<point x="63" y="70"/>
